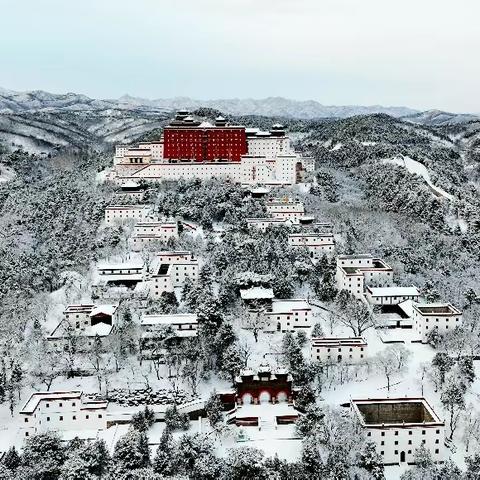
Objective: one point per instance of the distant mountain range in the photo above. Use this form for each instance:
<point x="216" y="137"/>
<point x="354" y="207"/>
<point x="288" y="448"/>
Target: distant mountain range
<point x="17" y="102"/>
<point x="269" y="107"/>
<point x="40" y="101"/>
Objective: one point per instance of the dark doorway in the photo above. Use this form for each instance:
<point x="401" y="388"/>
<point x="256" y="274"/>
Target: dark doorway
<point x="339" y="358"/>
<point x="402" y="457"/>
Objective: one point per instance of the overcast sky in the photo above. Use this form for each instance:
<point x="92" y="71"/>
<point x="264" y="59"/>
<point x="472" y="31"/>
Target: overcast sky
<point x="419" y="53"/>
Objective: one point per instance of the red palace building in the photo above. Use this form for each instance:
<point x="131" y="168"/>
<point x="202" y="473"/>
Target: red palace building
<point x="187" y="139"/>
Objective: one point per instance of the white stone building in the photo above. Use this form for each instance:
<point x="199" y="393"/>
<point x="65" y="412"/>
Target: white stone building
<point x="332" y="349"/>
<point x="121" y="213"/>
<point x="120" y="280"/>
<point x="355" y="272"/>
<point x="62" y="411"/>
<point x="288" y="315"/>
<point x="84" y="322"/>
<point x="132" y="267"/>
<point x="151" y="232"/>
<point x="285" y="208"/>
<point x="443" y="317"/>
<point x="130" y="191"/>
<point x="81" y="316"/>
<point x="268" y="144"/>
<point x="263" y="223"/>
<point x="171" y="270"/>
<point x="144" y="152"/>
<point x="391" y="295"/>
<point x="284" y="170"/>
<point x="184" y="324"/>
<point x="398" y="426"/>
<point x="317" y="244"/>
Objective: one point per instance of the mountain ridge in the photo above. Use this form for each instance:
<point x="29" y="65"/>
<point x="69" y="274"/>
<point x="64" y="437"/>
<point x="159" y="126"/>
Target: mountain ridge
<point x="39" y="100"/>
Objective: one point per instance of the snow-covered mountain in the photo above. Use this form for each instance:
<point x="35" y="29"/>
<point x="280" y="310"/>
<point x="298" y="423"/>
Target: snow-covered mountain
<point x="269" y="107"/>
<point x="439" y="118"/>
<point x="17" y="102"/>
<point x="40" y="101"/>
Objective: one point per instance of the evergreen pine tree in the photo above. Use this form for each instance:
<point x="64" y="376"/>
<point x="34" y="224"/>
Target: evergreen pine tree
<point x="11" y="459"/>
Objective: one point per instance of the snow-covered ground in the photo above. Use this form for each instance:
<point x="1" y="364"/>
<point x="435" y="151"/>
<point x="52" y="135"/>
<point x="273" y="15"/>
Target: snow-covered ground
<point x="6" y="174"/>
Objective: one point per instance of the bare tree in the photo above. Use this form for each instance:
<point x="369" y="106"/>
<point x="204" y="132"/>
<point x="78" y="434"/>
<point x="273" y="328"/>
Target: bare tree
<point x="47" y="369"/>
<point x="471" y="430"/>
<point x="245" y="351"/>
<point x="255" y="321"/>
<point x="423" y="369"/>
<point x="357" y="317"/>
<point x="387" y="362"/>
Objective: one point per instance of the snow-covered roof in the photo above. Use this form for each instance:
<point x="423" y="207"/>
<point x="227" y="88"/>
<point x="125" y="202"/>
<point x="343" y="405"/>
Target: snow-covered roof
<point x="407" y="307"/>
<point x="256" y="293"/>
<point x="105" y="309"/>
<point x="130" y="184"/>
<point x="127" y="207"/>
<point x="393" y="291"/>
<point x="156" y="223"/>
<point x="285" y="306"/>
<point x="138" y="151"/>
<point x="118" y="277"/>
<point x="32" y="403"/>
<point x="131" y="265"/>
<point x="101" y="329"/>
<point x="336" y="342"/>
<point x="174" y="253"/>
<point x="437" y="309"/>
<point x="169" y="319"/>
<point x="267" y="219"/>
<point x="311" y="234"/>
<point x="79" y="308"/>
<point x="260" y="190"/>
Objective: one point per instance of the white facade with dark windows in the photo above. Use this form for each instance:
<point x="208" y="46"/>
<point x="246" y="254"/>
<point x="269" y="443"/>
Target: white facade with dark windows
<point x="62" y="411"/>
<point x="122" y="213"/>
<point x="317" y="244"/>
<point x="443" y="317"/>
<point x="288" y="315"/>
<point x="171" y="270"/>
<point x="285" y="208"/>
<point x="391" y="295"/>
<point x="336" y="350"/>
<point x="355" y="272"/>
<point x="398" y="426"/>
<point x="151" y="233"/>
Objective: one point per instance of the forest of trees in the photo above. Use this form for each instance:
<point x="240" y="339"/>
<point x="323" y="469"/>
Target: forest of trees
<point x="50" y="214"/>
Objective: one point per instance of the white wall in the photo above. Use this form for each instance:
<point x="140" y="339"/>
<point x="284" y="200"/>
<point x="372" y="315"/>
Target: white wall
<point x="348" y="353"/>
<point x="424" y="324"/>
<point x="62" y="415"/>
<point x="289" y="321"/>
<point x="408" y="440"/>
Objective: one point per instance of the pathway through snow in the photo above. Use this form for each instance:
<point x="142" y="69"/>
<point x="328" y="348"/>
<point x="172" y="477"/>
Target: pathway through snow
<point x="416" y="167"/>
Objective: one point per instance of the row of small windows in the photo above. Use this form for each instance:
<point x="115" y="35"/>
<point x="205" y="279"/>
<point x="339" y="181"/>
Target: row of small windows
<point x="437" y="451"/>
<point x="340" y="349"/>
<point x="437" y="441"/>
<point x="410" y="432"/>
<point x="61" y="417"/>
